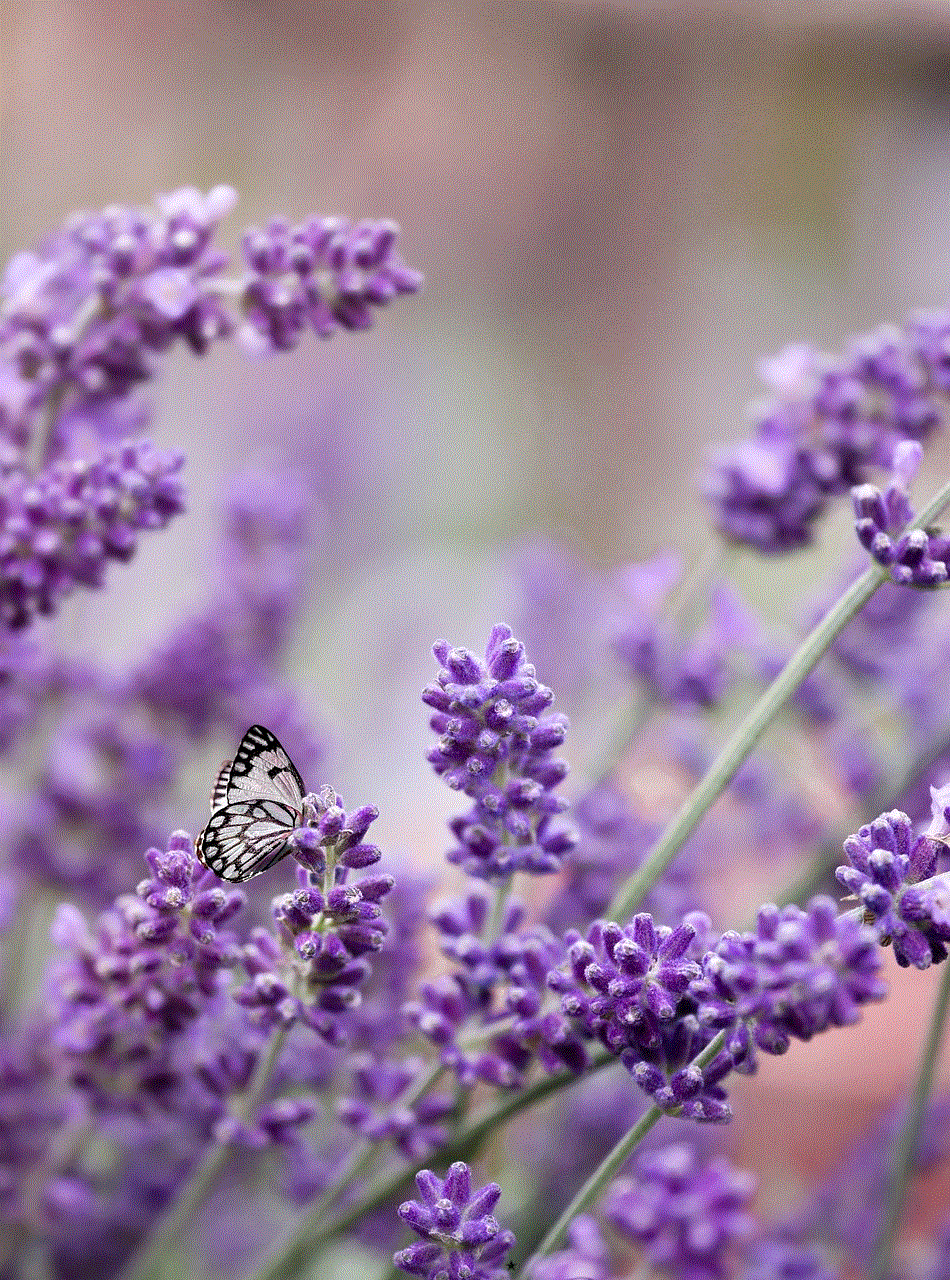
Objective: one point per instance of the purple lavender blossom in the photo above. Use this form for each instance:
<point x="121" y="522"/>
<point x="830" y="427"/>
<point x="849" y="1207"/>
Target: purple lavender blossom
<point x="892" y="873"/>
<point x="828" y="423"/>
<point x="777" y="1259"/>
<point x="497" y="743"/>
<point x="497" y="994"/>
<point x="324" y="274"/>
<point x="630" y="988"/>
<point x="128" y="990"/>
<point x="60" y="528"/>
<point x="797" y="974"/>
<point x="83" y="316"/>
<point x="376" y="1111"/>
<point x="692" y="672"/>
<point x="585" y="1257"/>
<point x="461" y="1240"/>
<point x="915" y="557"/>
<point x="311" y="968"/>
<point x="688" y="1215"/>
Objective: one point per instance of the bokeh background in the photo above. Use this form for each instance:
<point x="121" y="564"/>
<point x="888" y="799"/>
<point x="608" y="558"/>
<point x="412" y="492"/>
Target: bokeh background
<point x="618" y="209"/>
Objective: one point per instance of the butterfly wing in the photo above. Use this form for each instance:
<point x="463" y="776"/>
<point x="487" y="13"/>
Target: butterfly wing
<point x="219" y="793"/>
<point x="261" y="770"/>
<point x="244" y="838"/>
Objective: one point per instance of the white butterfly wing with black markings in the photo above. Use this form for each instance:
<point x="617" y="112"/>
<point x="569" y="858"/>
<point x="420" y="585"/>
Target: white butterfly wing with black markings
<point x="219" y="793"/>
<point x="246" y="837"/>
<point x="262" y="770"/>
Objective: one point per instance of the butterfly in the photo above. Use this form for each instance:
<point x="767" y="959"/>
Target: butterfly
<point x="256" y="803"/>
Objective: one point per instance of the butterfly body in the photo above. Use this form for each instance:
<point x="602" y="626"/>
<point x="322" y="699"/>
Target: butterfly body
<point x="256" y="803"/>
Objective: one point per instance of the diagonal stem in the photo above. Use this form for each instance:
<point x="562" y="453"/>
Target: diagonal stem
<point x="746" y="736"/>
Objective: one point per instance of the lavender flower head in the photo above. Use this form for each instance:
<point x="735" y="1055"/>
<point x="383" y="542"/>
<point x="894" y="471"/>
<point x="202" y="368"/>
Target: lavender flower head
<point x="677" y="671"/>
<point x="323" y="275"/>
<point x="497" y="743"/>
<point x="127" y="991"/>
<point x="461" y="1240"/>
<point x="915" y="557"/>
<point x="797" y="974"/>
<point x="892" y="873"/>
<point x="828" y="421"/>
<point x="312" y="967"/>
<point x="688" y="1215"/>
<point x="631" y="989"/>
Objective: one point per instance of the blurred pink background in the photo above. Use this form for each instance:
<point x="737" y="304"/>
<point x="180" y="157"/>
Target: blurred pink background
<point x="617" y="209"/>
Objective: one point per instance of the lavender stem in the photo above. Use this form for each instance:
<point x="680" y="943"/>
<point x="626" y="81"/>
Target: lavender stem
<point x="603" y="1174"/>
<point x="902" y="1156"/>
<point x="744" y="739"/>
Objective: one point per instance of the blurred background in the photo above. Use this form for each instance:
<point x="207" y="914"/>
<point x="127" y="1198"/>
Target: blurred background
<point x="618" y="209"/>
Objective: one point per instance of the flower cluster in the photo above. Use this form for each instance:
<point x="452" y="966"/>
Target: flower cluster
<point x="688" y="1215"/>
<point x="892" y="874"/>
<point x="496" y="745"/>
<point x="798" y="973"/>
<point x="828" y="422"/>
<point x="127" y="991"/>
<point x="630" y="987"/>
<point x="915" y="557"/>
<point x="323" y="275"/>
<point x="694" y="672"/>
<point x="496" y="997"/>
<point x="85" y="318"/>
<point x="312" y="967"/>
<point x="460" y="1240"/>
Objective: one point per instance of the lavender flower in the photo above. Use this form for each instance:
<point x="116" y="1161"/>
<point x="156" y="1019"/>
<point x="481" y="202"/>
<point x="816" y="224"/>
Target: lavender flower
<point x="460" y="1238"/>
<point x="313" y="968"/>
<point x="915" y="557"/>
<point x="60" y="528"/>
<point x="630" y="987"/>
<point x="892" y="873"/>
<point x="688" y="1215"/>
<point x="829" y="421"/>
<point x="127" y="991"/>
<point x="83" y="316"/>
<point x="585" y="1257"/>
<point x="497" y="746"/>
<point x="325" y="274"/>
<point x="675" y="671"/>
<point x="497" y="996"/>
<point x="375" y="1109"/>
<point x="797" y="974"/>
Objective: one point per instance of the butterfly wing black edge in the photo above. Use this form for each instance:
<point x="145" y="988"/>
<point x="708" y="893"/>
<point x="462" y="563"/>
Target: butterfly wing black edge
<point x="264" y="852"/>
<point x="262" y="738"/>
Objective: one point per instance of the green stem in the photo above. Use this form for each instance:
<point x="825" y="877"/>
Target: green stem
<point x="591" y="1190"/>
<point x="499" y="904"/>
<point x="171" y="1229"/>
<point x="905" y="1148"/>
<point x="292" y="1257"/>
<point x="744" y="739"/>
<point x="829" y="853"/>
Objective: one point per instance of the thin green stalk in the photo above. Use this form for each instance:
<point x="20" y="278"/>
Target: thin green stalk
<point x="744" y="739"/>
<point x="292" y="1256"/>
<point x="172" y="1228"/>
<point x="829" y="853"/>
<point x="590" y="1192"/>
<point x="905" y="1148"/>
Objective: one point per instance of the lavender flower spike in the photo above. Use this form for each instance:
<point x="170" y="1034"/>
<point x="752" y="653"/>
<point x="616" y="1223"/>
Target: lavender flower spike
<point x="687" y="1214"/>
<point x="892" y="874"/>
<point x="915" y="557"/>
<point x="325" y="274"/>
<point x="497" y="746"/>
<point x="461" y="1240"/>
